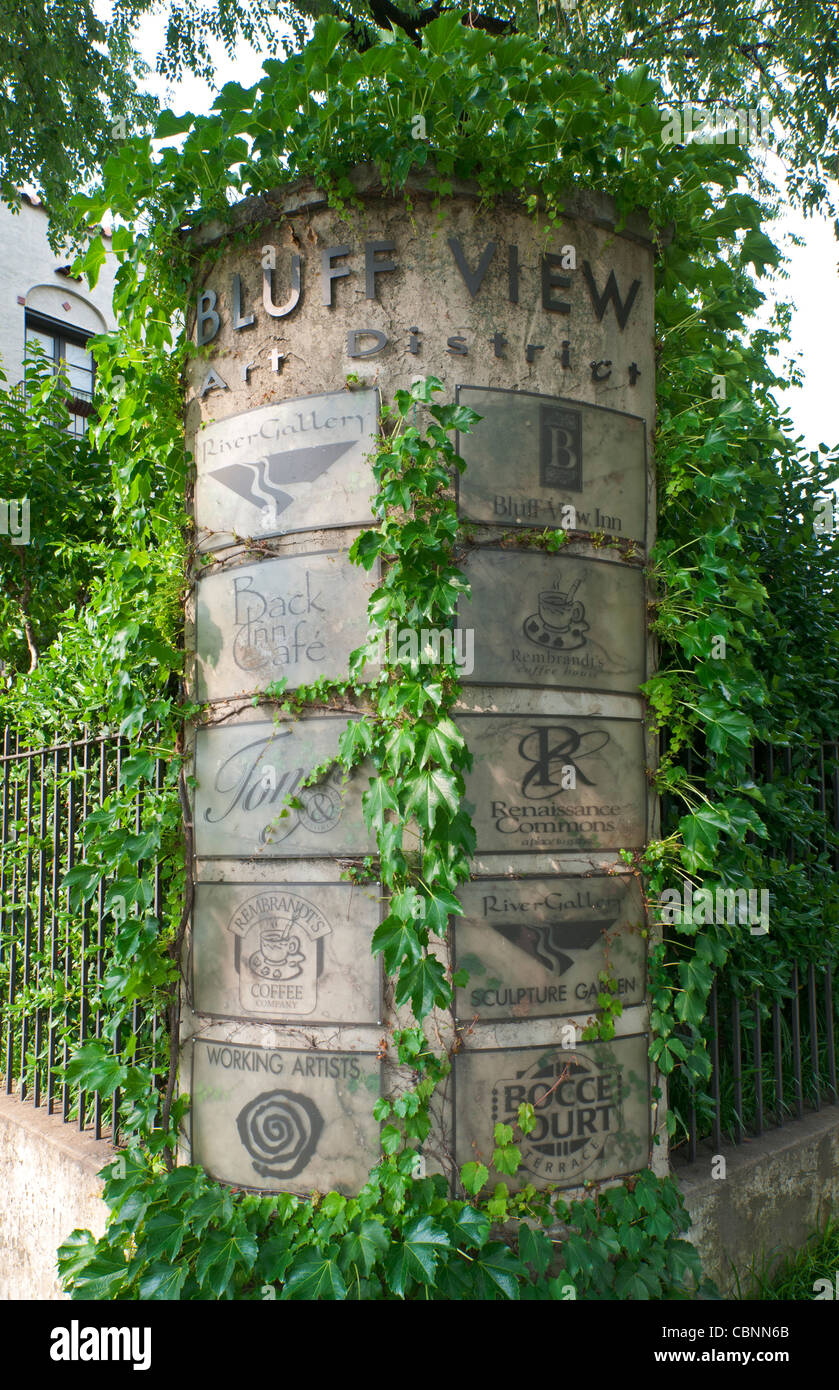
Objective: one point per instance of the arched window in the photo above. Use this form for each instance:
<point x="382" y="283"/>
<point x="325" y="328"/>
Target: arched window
<point x="66" y="346"/>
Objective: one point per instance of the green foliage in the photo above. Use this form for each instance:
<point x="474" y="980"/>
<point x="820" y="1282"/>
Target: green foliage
<point x="795" y="1278"/>
<point x="57" y="475"/>
<point x="736" y="556"/>
<point x="72" y="79"/>
<point x="180" y="1235"/>
<point x="780" y="55"/>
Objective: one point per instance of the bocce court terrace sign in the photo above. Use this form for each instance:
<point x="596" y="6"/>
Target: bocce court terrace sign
<point x="307" y="323"/>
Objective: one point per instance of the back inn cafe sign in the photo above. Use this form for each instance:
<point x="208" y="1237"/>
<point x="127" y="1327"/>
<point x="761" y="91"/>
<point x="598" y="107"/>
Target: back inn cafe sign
<point x="292" y="952"/>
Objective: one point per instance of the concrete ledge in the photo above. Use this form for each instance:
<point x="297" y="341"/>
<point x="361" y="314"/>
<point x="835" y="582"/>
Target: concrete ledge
<point x="48" y="1187"/>
<point x="304" y="195"/>
<point x="776" y="1191"/>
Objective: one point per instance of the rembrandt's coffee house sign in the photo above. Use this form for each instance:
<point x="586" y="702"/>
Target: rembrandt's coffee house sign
<point x="307" y="322"/>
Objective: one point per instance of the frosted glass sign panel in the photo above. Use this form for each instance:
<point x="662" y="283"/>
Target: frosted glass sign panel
<point x="291" y="466"/>
<point x="531" y="456"/>
<point x="296" y="618"/>
<point x="246" y="772"/>
<point x="286" y="951"/>
<point x="564" y="622"/>
<point x="282" y="1120"/>
<point x="555" y="782"/>
<point x="591" y="1105"/>
<point x="534" y="947"/>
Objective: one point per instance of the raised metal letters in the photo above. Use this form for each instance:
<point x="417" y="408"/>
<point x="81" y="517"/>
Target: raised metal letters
<point x="296" y="465"/>
<point x="590" y="1101"/>
<point x="281" y="1120"/>
<point x="555" y="782"/>
<point x="565" y="621"/>
<point x="280" y="951"/>
<point x="532" y="457"/>
<point x="245" y="774"/>
<point x="534" y="947"/>
<point x="297" y="617"/>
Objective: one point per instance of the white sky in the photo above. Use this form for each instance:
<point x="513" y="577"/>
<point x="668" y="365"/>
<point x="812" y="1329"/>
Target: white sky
<point x="813" y="269"/>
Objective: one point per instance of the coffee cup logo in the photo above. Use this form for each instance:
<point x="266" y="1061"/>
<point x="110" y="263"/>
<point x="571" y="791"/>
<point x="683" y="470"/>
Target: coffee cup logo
<point x="278" y="953"/>
<point x="577" y="1106"/>
<point x="560" y="624"/>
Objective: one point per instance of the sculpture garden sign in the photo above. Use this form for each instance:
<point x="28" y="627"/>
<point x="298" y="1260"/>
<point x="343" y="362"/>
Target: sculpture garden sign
<point x="309" y="319"/>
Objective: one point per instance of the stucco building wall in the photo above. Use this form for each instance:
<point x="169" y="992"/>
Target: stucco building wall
<point x="29" y="270"/>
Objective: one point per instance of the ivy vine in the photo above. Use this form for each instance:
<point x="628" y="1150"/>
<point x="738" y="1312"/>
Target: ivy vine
<point x="736" y="558"/>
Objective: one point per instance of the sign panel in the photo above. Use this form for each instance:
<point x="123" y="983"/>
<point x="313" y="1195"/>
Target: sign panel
<point x="565" y="621"/>
<point x="292" y="466"/>
<point x="591" y="1105"/>
<point x="245" y="772"/>
<point x="555" y="782"/>
<point x="283" y="1120"/>
<point x="283" y="951"/>
<point x="297" y="618"/>
<point x="534" y="947"/>
<point x="530" y="456"/>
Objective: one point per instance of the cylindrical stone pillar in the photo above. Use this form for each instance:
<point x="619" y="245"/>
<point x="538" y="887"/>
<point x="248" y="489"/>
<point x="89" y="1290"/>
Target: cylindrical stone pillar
<point x="308" y="319"/>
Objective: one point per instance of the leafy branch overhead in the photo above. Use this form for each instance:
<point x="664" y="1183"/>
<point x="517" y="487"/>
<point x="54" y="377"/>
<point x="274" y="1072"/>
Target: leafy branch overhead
<point x="75" y="87"/>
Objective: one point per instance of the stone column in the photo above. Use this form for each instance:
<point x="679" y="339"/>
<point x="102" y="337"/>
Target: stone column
<point x="307" y="319"/>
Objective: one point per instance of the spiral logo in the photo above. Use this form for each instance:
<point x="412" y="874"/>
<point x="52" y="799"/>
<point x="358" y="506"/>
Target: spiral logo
<point x="280" y="1130"/>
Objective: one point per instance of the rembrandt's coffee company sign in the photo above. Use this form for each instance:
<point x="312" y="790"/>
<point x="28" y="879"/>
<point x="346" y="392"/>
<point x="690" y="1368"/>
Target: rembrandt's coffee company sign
<point x="286" y="951"/>
<point x="307" y="329"/>
<point x="574" y="624"/>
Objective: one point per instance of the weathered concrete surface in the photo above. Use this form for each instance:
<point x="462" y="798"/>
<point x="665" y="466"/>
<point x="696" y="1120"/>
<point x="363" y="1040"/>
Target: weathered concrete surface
<point x="777" y="1190"/>
<point x="48" y="1188"/>
<point x="300" y="312"/>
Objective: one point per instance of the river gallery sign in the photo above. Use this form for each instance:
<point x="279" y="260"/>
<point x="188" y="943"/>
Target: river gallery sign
<point x="304" y="331"/>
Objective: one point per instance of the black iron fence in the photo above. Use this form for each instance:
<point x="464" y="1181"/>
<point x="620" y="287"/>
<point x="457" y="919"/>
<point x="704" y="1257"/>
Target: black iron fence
<point x="52" y="955"/>
<point x="771" y="1042"/>
<point x="772" y="1059"/>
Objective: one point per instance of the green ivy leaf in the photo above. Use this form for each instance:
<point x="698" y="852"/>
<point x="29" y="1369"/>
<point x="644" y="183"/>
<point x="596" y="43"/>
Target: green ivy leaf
<point x="164" y="1234"/>
<point x="413" y="1259"/>
<point x="223" y="1253"/>
<point x="315" y="1277"/>
<point x="163" y="1281"/>
<point x="365" y="1247"/>
<point x="474" y="1177"/>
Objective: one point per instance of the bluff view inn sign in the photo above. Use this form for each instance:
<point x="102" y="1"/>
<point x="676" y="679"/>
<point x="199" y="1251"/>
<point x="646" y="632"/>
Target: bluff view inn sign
<point x="304" y="325"/>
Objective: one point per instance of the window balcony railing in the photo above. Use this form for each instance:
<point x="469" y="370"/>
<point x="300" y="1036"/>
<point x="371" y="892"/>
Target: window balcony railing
<point x="79" y="403"/>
